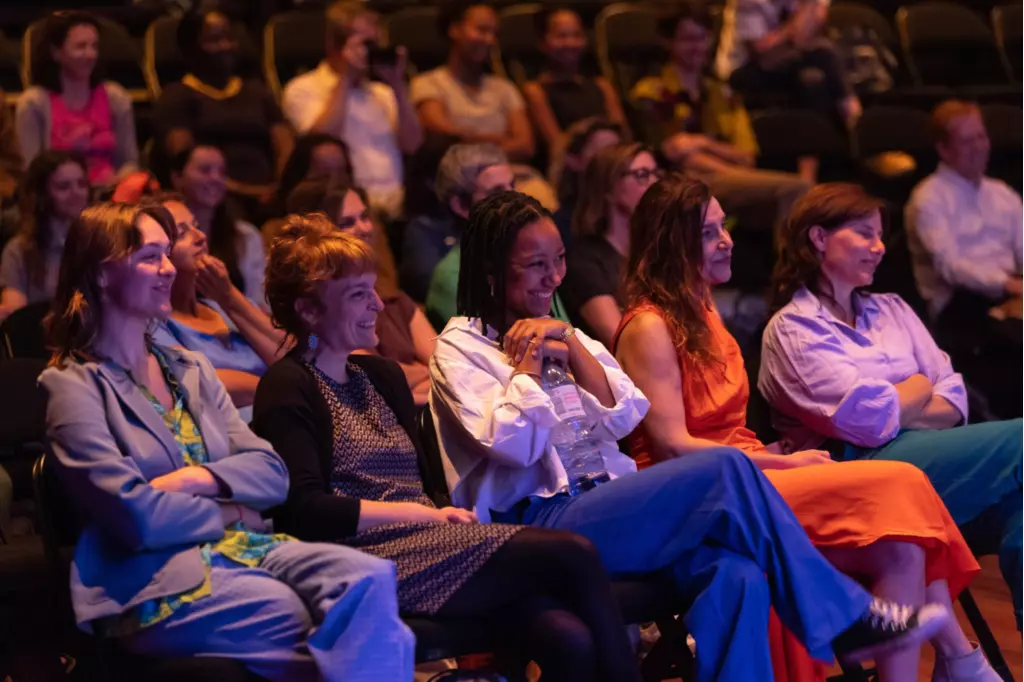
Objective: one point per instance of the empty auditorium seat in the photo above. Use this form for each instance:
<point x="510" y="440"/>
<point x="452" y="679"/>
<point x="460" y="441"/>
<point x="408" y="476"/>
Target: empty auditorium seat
<point x="416" y="28"/>
<point x="785" y="136"/>
<point x="293" y="43"/>
<point x="1007" y="22"/>
<point x="1004" y="123"/>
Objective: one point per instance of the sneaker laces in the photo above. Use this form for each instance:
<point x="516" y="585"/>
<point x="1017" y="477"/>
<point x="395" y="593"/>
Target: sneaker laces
<point x="889" y="616"/>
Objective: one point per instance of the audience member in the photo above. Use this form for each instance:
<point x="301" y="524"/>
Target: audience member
<point x="673" y="345"/>
<point x="860" y="373"/>
<point x="712" y="521"/>
<point x="465" y="173"/>
<point x="700" y="126"/>
<point x="468" y="174"/>
<point x="583" y="140"/>
<point x="54" y="191"/>
<point x="964" y="231"/>
<point x="562" y="94"/>
<point x="316" y="155"/>
<point x="376" y="120"/>
<point x="70" y="107"/>
<point x="175" y="559"/>
<point x="779" y="46"/>
<point x="403" y="332"/>
<point x="615" y="180"/>
<point x="210" y="316"/>
<point x="345" y="424"/>
<point x="460" y="98"/>
<point x="212" y="105"/>
<point x="199" y="174"/>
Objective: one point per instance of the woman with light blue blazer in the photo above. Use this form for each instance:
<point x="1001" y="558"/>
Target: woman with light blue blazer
<point x="175" y="558"/>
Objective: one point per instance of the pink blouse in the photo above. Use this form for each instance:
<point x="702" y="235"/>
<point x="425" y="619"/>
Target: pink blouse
<point x="88" y="131"/>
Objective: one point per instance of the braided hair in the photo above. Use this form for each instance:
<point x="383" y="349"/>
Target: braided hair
<point x="494" y="224"/>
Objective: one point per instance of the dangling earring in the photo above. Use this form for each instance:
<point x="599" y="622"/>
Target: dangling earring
<point x="312" y="342"/>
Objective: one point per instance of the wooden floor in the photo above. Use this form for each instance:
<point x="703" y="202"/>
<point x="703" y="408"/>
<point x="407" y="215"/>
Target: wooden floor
<point x="993" y="598"/>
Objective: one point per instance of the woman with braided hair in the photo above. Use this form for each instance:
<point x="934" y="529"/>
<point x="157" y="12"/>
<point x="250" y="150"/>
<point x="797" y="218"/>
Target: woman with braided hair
<point x="711" y="521"/>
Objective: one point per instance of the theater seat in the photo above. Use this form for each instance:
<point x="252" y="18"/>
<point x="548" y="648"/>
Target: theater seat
<point x="293" y="43"/>
<point x="416" y="28"/>
<point x="1007" y="21"/>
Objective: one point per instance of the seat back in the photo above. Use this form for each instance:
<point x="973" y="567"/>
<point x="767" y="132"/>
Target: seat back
<point x="59" y="525"/>
<point x="855" y="18"/>
<point x="22" y="407"/>
<point x="164" y="62"/>
<point x="293" y="43"/>
<point x="120" y="57"/>
<point x="1004" y="123"/>
<point x="946" y="43"/>
<point x="627" y="44"/>
<point x="1007" y="21"/>
<point x="893" y="128"/>
<point x="785" y="136"/>
<point x="416" y="28"/>
<point x="10" y="65"/>
<point x="21" y="334"/>
<point x="431" y="463"/>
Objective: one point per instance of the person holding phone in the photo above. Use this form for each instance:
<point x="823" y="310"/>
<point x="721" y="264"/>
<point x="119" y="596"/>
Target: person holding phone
<point x="375" y="119"/>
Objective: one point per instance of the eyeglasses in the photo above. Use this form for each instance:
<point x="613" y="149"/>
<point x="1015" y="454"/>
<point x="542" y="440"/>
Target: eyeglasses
<point x="645" y="174"/>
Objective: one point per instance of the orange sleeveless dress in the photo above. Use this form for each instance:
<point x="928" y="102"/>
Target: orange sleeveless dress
<point x="844" y="505"/>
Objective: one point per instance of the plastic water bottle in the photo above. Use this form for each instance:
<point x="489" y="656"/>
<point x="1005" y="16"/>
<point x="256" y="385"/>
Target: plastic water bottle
<point x="579" y="451"/>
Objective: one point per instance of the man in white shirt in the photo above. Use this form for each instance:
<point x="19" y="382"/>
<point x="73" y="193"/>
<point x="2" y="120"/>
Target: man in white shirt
<point x="376" y="120"/>
<point x="964" y="233"/>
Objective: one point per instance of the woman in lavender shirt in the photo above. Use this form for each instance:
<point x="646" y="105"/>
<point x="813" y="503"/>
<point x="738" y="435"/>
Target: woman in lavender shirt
<point x="859" y="374"/>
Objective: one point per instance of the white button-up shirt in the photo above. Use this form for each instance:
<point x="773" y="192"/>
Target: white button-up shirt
<point x="370" y="129"/>
<point x="962" y="235"/>
<point x="495" y="428"/>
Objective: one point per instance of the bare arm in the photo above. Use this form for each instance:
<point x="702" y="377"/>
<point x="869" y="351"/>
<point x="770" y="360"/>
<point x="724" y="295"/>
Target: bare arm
<point x="373" y="514"/>
<point x="270" y="344"/>
<point x="542" y="115"/>
<point x="517" y="142"/>
<point x="589" y="373"/>
<point x="648" y="355"/>
<point x="914" y="394"/>
<point x="612" y="106"/>
<point x="409" y="132"/>
<point x="11" y="300"/>
<point x="434" y="118"/>
<point x="602" y="315"/>
<point x="282" y="141"/>
<point x="938" y="413"/>
<point x="424" y="338"/>
<point x="332" y="118"/>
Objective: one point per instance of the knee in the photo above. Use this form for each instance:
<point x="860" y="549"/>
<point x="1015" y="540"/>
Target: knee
<point x="575" y="555"/>
<point x="888" y="556"/>
<point x="743" y="578"/>
<point x="285" y="618"/>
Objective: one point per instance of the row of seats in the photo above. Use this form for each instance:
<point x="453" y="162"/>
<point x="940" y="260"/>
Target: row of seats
<point x="944" y="45"/>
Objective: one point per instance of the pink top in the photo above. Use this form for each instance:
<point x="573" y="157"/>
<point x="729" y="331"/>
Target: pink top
<point x="88" y="131"/>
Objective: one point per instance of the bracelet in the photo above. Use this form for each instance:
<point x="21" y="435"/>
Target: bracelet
<point x="569" y="332"/>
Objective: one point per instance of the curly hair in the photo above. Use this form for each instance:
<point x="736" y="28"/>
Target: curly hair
<point x="36" y="207"/>
<point x="665" y="258"/>
<point x="494" y="224"/>
<point x="102" y="233"/>
<point x="308" y="251"/>
<point x="829" y="206"/>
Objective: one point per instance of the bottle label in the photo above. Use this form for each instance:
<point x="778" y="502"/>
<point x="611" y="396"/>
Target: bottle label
<point x="568" y="404"/>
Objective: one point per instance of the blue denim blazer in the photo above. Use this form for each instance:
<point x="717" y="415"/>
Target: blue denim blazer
<point x="140" y="543"/>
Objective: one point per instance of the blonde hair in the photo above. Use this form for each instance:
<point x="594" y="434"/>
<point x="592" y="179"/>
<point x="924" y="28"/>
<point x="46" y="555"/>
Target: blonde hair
<point x="308" y="251"/>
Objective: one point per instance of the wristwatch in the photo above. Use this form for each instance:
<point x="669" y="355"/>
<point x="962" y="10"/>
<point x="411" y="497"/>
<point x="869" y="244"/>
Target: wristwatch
<point x="567" y="334"/>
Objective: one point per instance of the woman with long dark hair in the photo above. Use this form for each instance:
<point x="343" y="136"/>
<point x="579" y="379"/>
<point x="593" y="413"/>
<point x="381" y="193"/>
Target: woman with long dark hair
<point x="199" y="173"/>
<point x="880" y="521"/>
<point x="70" y="106"/>
<point x="859" y="374"/>
<point x="175" y="558"/>
<point x="54" y="191"/>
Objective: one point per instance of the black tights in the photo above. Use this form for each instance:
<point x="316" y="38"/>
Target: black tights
<point x="551" y="590"/>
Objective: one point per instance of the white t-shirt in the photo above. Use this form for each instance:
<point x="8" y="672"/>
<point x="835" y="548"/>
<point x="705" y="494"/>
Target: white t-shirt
<point x="369" y="129"/>
<point x="481" y="111"/>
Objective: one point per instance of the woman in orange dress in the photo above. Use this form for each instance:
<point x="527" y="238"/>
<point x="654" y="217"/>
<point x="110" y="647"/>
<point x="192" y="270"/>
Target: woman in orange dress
<point x="880" y="521"/>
